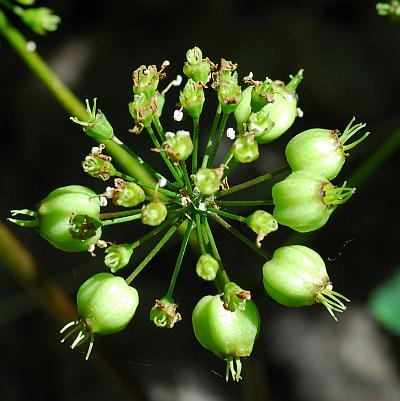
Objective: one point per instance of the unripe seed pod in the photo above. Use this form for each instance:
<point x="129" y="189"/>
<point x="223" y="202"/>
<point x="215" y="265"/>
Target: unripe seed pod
<point x="154" y="213"/>
<point x="118" y="256"/>
<point x="296" y="276"/>
<point x="207" y="180"/>
<point x="53" y="214"/>
<point x="243" y="110"/>
<point x="282" y="111"/>
<point x="145" y="79"/>
<point x="127" y="194"/>
<point x="163" y="314"/>
<point x="192" y="98"/>
<point x="178" y="147"/>
<point x="245" y="149"/>
<point x="229" y="335"/>
<point x="305" y="200"/>
<point x="106" y="304"/>
<point x="322" y="151"/>
<point x="196" y="67"/>
<point x="207" y="267"/>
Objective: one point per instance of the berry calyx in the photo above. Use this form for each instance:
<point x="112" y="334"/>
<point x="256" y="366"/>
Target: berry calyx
<point x="118" y="256"/>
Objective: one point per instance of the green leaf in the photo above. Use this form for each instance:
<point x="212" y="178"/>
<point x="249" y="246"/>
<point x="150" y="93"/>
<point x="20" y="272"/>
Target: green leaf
<point x="385" y="304"/>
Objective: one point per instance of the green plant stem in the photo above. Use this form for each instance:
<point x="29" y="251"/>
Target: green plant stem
<point x="64" y="96"/>
<point x="195" y="144"/>
<point x="244" y="203"/>
<point x="113" y="215"/>
<point x="159" y="128"/>
<point x="186" y="178"/>
<point x="252" y="182"/>
<point x="141" y="183"/>
<point x="218" y="139"/>
<point x="211" y="137"/>
<point x="240" y="236"/>
<point x="228" y="215"/>
<point x="221" y="274"/>
<point x="229" y="169"/>
<point x="181" y="254"/>
<point x="152" y="253"/>
<point x="165" y="157"/>
<point x="118" y="220"/>
<point x="154" y="232"/>
<point x="200" y="234"/>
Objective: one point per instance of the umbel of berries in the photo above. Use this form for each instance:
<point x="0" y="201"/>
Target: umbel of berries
<point x="304" y="200"/>
<point x="296" y="276"/>
<point x="322" y="151"/>
<point x="52" y="218"/>
<point x="229" y="335"/>
<point x="106" y="304"/>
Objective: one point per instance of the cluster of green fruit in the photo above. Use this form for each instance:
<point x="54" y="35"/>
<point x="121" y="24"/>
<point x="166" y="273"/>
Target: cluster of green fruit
<point x="227" y="323"/>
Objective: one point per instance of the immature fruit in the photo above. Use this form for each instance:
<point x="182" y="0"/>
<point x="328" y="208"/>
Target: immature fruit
<point x="229" y="335"/>
<point x="207" y="180"/>
<point x="54" y="213"/>
<point x="118" y="256"/>
<point x="127" y="194"/>
<point x="262" y="223"/>
<point x="243" y="110"/>
<point x="282" y="111"/>
<point x="296" y="276"/>
<point x="178" y="146"/>
<point x="106" y="304"/>
<point x="322" y="151"/>
<point x="197" y="68"/>
<point x="207" y="267"/>
<point x="305" y="200"/>
<point x="163" y="314"/>
<point x="154" y="213"/>
<point x="245" y="149"/>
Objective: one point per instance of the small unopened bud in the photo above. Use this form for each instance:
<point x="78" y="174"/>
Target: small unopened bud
<point x="154" y="213"/>
<point x="207" y="267"/>
<point x="207" y="180"/>
<point x="41" y="20"/>
<point x="192" y="98"/>
<point x="127" y="194"/>
<point x="245" y="149"/>
<point x="178" y="147"/>
<point x="262" y="223"/>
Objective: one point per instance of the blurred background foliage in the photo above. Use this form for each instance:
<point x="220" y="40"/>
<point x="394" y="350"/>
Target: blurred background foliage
<point x="351" y="58"/>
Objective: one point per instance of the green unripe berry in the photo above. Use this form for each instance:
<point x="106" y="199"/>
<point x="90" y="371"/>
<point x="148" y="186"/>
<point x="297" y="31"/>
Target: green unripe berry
<point x="243" y="110"/>
<point x="229" y="335"/>
<point x="262" y="223"/>
<point x="322" y="151"/>
<point x="207" y="180"/>
<point x="192" y="98"/>
<point x="118" y="256"/>
<point x="154" y="213"/>
<point x="282" y="111"/>
<point x="163" y="314"/>
<point x="305" y="200"/>
<point x="197" y="68"/>
<point x="127" y="194"/>
<point x="296" y="276"/>
<point x="106" y="304"/>
<point x="41" y="19"/>
<point x="207" y="267"/>
<point x="245" y="149"/>
<point x="178" y="147"/>
<point x="53" y="215"/>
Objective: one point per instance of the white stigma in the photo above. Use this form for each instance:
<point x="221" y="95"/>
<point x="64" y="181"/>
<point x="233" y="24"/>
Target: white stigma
<point x="30" y="46"/>
<point x="101" y="244"/>
<point x="202" y="207"/>
<point x="230" y="133"/>
<point x="177" y="81"/>
<point x="169" y="134"/>
<point x="103" y="201"/>
<point x="162" y="182"/>
<point x="178" y="115"/>
<point x="299" y="112"/>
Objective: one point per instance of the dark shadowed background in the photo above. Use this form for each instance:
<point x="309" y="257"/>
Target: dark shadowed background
<point x="351" y="59"/>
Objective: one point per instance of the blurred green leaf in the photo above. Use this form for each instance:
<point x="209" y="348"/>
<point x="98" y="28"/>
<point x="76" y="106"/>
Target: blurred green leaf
<point x="385" y="303"/>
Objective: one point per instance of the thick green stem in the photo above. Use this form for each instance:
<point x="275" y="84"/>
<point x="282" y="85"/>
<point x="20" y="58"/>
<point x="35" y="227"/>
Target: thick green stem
<point x="195" y="144"/>
<point x="218" y="139"/>
<point x="181" y="254"/>
<point x="64" y="96"/>
<point x="152" y="253"/>
<point x="252" y="182"/>
<point x="244" y="203"/>
<point x="211" y="137"/>
<point x="240" y="236"/>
